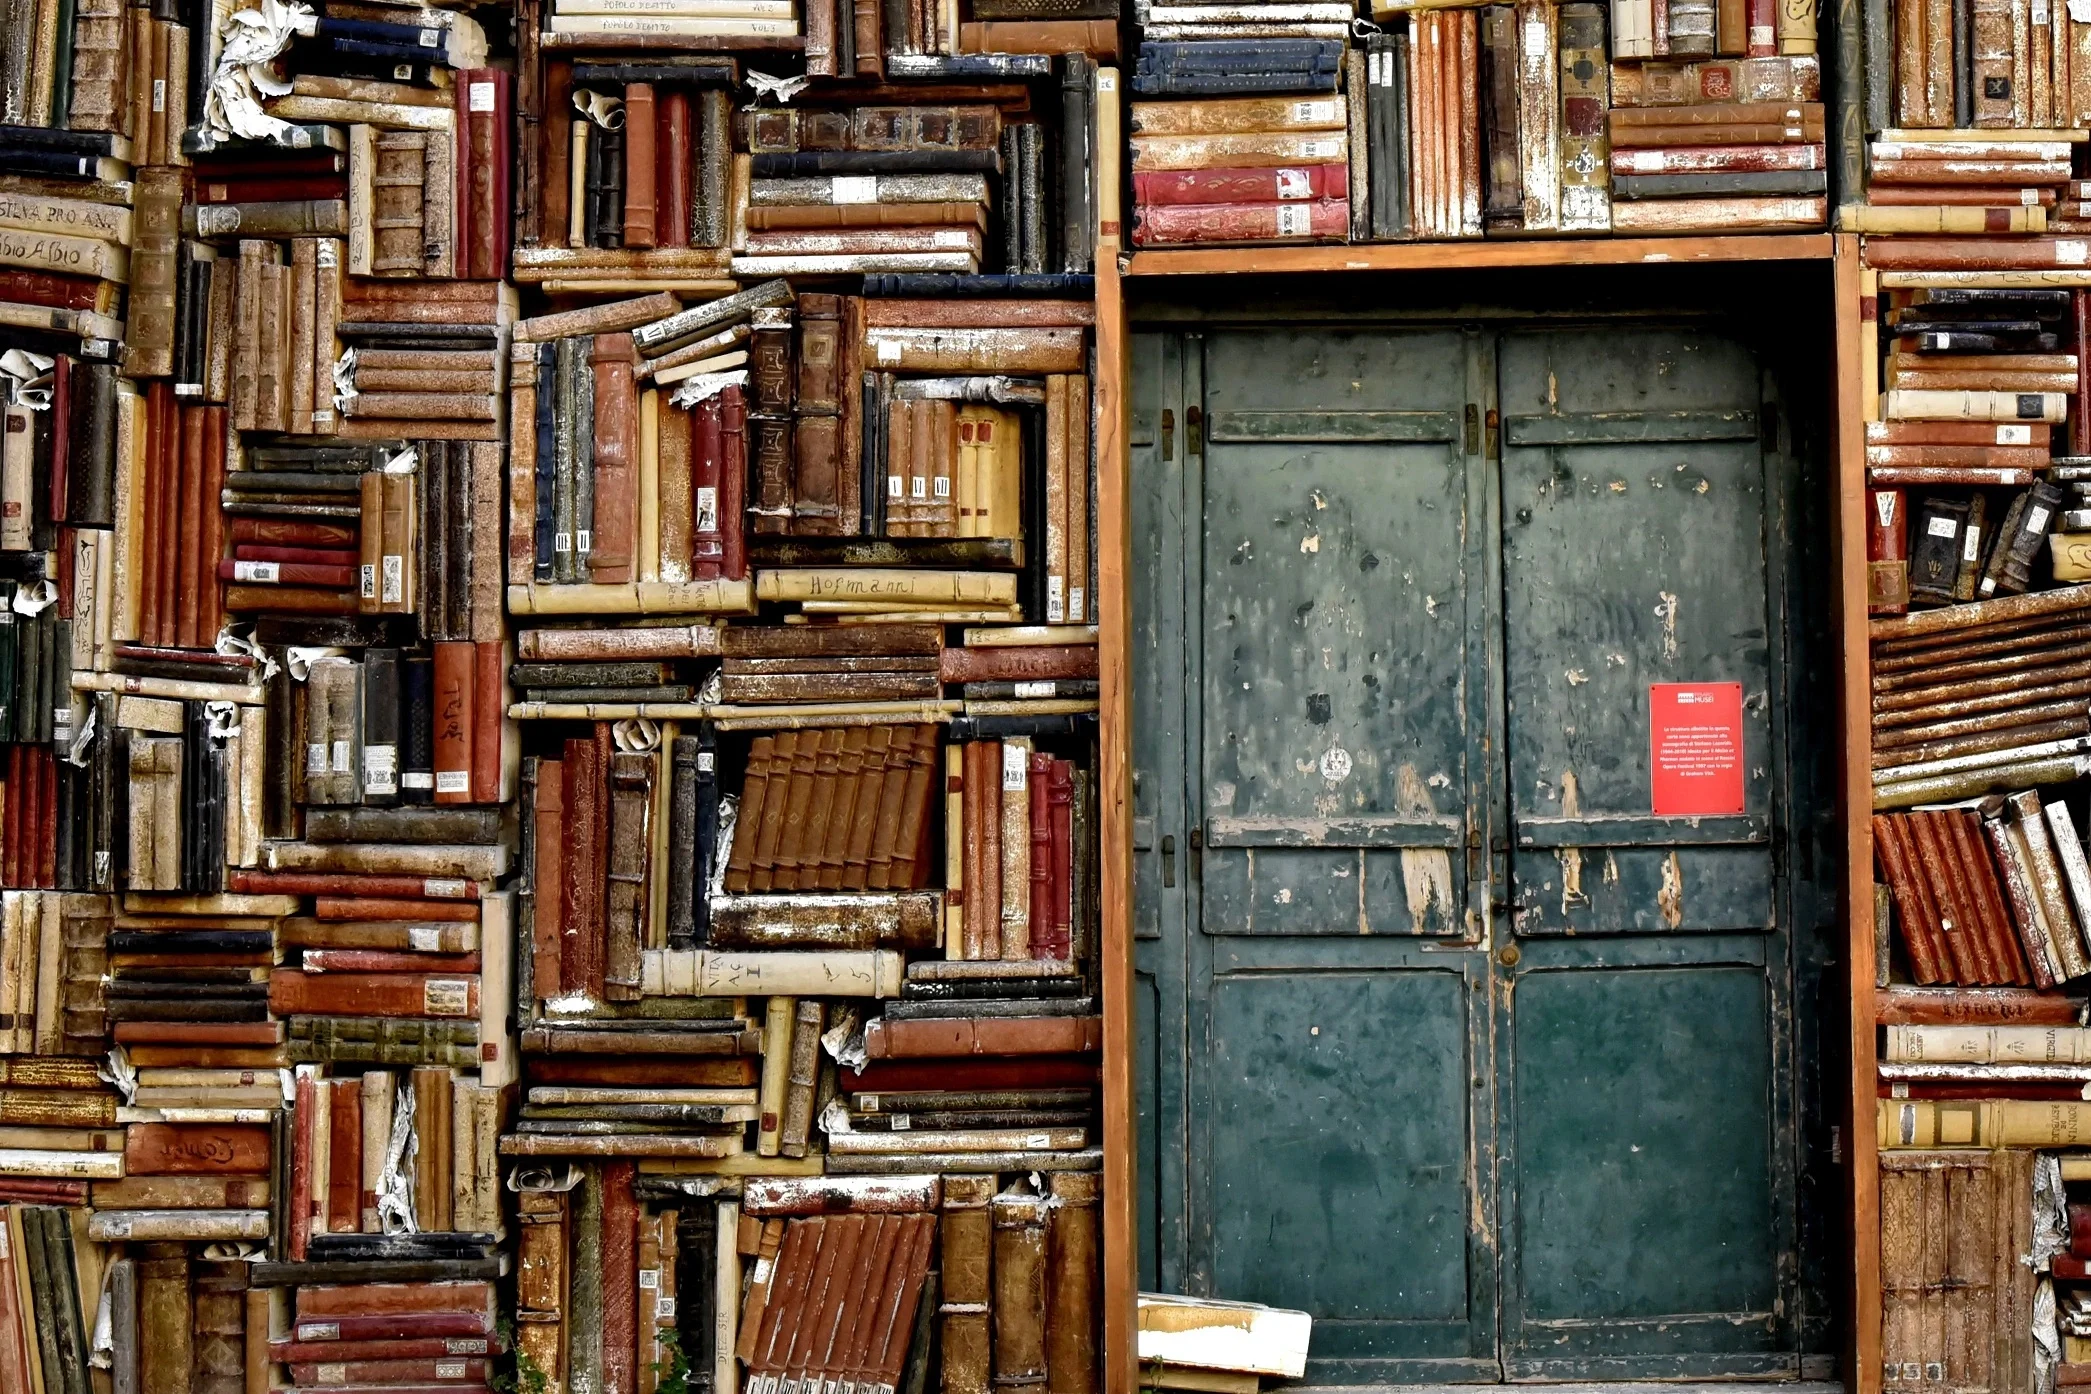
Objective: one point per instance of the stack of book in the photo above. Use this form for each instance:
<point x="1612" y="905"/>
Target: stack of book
<point x="1742" y="160"/>
<point x="1215" y="171"/>
<point x="1978" y="181"/>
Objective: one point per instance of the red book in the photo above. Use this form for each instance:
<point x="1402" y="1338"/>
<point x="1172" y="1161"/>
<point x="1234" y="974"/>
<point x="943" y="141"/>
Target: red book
<point x="329" y="907"/>
<point x="672" y="182"/>
<point x="1039" y="773"/>
<point x="1762" y="33"/>
<point x="272" y="168"/>
<point x="489" y="710"/>
<point x="345" y="1170"/>
<point x="49" y="289"/>
<point x="943" y="1038"/>
<point x="47" y="798"/>
<point x="2013" y="434"/>
<point x="371" y="1301"/>
<point x="442" y="1372"/>
<point x="213" y="546"/>
<point x="159" y="418"/>
<point x="2036" y="1093"/>
<point x="304" y="1109"/>
<point x="11" y="820"/>
<point x="383" y="961"/>
<point x="394" y="1327"/>
<point x="733" y="484"/>
<point x="28" y="1190"/>
<point x="1887" y="552"/>
<point x="549" y="828"/>
<point x="286" y="573"/>
<point x="420" y="1348"/>
<point x="1964" y="196"/>
<point x="620" y="1246"/>
<point x="293" y="992"/>
<point x="231" y="1033"/>
<point x="707" y="539"/>
<point x="484" y="97"/>
<point x="293" y="532"/>
<point x="1179" y="225"/>
<point x="349" y="883"/>
<point x="261" y="190"/>
<point x="1717" y="159"/>
<point x="1033" y="1072"/>
<point x="2069" y="1266"/>
<point x="185" y="583"/>
<point x="454" y="672"/>
<point x="1972" y="1006"/>
<point x="1297" y="184"/>
<point x="311" y="556"/>
<point x="61" y="438"/>
<point x="1060" y="811"/>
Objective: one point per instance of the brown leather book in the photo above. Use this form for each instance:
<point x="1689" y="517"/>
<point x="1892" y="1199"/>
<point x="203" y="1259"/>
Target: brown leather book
<point x="893" y="788"/>
<point x="432" y="1094"/>
<point x="845" y="1349"/>
<point x="940" y="1037"/>
<point x="911" y="838"/>
<point x="784" y="1312"/>
<point x="831" y="641"/>
<point x="625" y="908"/>
<point x="620" y="1294"/>
<point x="581" y="966"/>
<point x="770" y="449"/>
<point x="1096" y="37"/>
<point x="294" y="992"/>
<point x="967" y="1263"/>
<point x="182" y="1193"/>
<point x="490" y="761"/>
<point x="973" y="350"/>
<point x="345" y="1178"/>
<point x="188" y="585"/>
<point x="809" y="856"/>
<point x="191" y="1149"/>
<point x="863" y="831"/>
<point x="549" y="867"/>
<point x="848" y="778"/>
<point x="1941" y="871"/>
<point x="978" y="314"/>
<point x="918" y="1245"/>
<point x="456" y="669"/>
<point x="165" y="1325"/>
<point x="816" y="476"/>
<point x="1073" y="1253"/>
<point x="838" y="217"/>
<point x="672" y="182"/>
<point x="641" y="165"/>
<point x="385" y="1299"/>
<point x="541" y="1279"/>
<point x="1021" y="1277"/>
<point x="776" y="797"/>
<point x="747" y="828"/>
<point x="796" y="1126"/>
<point x="616" y="459"/>
<point x="1973" y="851"/>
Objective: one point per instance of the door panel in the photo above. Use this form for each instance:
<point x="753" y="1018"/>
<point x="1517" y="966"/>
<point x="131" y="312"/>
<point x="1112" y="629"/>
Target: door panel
<point x="1445" y="1037"/>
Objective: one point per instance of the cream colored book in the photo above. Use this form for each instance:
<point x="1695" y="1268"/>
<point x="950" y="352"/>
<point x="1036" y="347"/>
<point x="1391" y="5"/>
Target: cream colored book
<point x="676" y="26"/>
<point x="70" y="217"/>
<point x="1988" y="1045"/>
<point x="1941" y="219"/>
<point x="391" y="116"/>
<point x="761" y="973"/>
<point x="83" y="1166"/>
<point x="720" y="363"/>
<point x="777" y="1018"/>
<point x="684" y="9"/>
<point x="656" y="598"/>
<point x="1030" y="635"/>
<point x="189" y="1226"/>
<point x="1989" y="1123"/>
<point x="1922" y="404"/>
<point x="887" y="584"/>
<point x="68" y="255"/>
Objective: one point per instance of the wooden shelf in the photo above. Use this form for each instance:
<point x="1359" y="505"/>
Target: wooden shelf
<point x="1482" y="254"/>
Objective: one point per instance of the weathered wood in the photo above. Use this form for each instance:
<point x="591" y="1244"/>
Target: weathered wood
<point x="1447" y="256"/>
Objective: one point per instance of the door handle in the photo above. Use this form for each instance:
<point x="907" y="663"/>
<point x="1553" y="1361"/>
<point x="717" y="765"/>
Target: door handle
<point x="1194" y="431"/>
<point x="1197" y="854"/>
<point x="1169" y="863"/>
<point x="1168" y="434"/>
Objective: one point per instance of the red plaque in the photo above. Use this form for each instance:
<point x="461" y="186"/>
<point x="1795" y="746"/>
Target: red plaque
<point x="1695" y="748"/>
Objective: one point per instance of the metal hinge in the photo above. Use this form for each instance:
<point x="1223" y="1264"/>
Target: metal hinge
<point x="1495" y="435"/>
<point x="1194" y="432"/>
<point x="1168" y="434"/>
<point x="1473" y="429"/>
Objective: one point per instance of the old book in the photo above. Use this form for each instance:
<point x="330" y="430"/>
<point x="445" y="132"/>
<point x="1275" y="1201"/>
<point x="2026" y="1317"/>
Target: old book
<point x="1970" y="1205"/>
<point x="796" y="1120"/>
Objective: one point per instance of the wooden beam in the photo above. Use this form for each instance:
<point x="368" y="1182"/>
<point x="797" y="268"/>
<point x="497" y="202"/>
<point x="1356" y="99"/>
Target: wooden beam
<point x="1854" y="362"/>
<point x="1115" y="799"/>
<point x="1452" y="256"/>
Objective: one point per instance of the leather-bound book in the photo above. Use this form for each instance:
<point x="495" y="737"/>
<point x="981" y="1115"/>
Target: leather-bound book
<point x="685" y="866"/>
<point x="616" y="459"/>
<point x="541" y="1279"/>
<point x="674" y="485"/>
<point x="1947" y="1212"/>
<point x="625" y="874"/>
<point x="381" y="710"/>
<point x="675" y="149"/>
<point x="582" y="869"/>
<point x="164" y="1321"/>
<point x="620" y="1219"/>
<point x="149" y="340"/>
<point x="396" y="179"/>
<point x="1021" y="1279"/>
<point x="641" y="128"/>
<point x="219" y="1314"/>
<point x="795" y="1125"/>
<point x="967" y="1264"/>
<point x="710" y="210"/>
<point x="1887" y="552"/>
<point x="494" y="753"/>
<point x="455" y="674"/>
<point x="488" y="94"/>
<point x="733" y="483"/>
<point x="584" y="1314"/>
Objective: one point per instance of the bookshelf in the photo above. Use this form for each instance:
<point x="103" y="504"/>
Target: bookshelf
<point x="1477" y="255"/>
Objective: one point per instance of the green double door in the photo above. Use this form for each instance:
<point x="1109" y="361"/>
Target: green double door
<point x="1446" y="1037"/>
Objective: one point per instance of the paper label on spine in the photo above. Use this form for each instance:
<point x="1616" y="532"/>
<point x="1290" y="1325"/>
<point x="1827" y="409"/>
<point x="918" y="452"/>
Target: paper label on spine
<point x="664" y="1309"/>
<point x="445" y="997"/>
<point x="424" y="938"/>
<point x="381" y="768"/>
<point x="901" y="1123"/>
<point x="649" y="1278"/>
<point x="707" y="510"/>
<point x="453" y="781"/>
<point x="367" y="582"/>
<point x="1330" y="149"/>
<point x="2070" y="251"/>
<point x="1036" y="689"/>
<point x="1294" y="183"/>
<point x="320" y="1331"/>
<point x="417" y="779"/>
<point x="117" y="1226"/>
<point x="856" y="188"/>
<point x="159" y="94"/>
<point x="1940" y="527"/>
<point x="254" y="571"/>
<point x="325" y="256"/>
<point x="2036" y="519"/>
<point x="2014" y="435"/>
<point x="1294" y="219"/>
<point x="333" y="1374"/>
<point x="1971" y="545"/>
<point x="893" y="489"/>
<point x="481" y="97"/>
<point x="1075" y="602"/>
<point x="1536" y="44"/>
<point x="761" y="1272"/>
<point x="942" y="486"/>
<point x="918" y="487"/>
<point x="1056" y="600"/>
<point x="1016" y="767"/>
<point x="316" y="757"/>
<point x="343" y="763"/>
<point x="393" y="589"/>
<point x="1316" y="112"/>
<point x="443" y="887"/>
<point x="466" y="1345"/>
<point x="450" y="1369"/>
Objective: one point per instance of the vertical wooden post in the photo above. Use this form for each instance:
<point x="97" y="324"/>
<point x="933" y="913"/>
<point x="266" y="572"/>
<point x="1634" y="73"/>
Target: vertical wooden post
<point x="1854" y="364"/>
<point x="1115" y="799"/>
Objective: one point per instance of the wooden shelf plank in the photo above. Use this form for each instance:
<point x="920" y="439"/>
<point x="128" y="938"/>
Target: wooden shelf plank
<point x="1451" y="256"/>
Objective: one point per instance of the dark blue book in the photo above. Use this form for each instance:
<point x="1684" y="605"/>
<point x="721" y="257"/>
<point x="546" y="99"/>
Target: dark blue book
<point x="1232" y="84"/>
<point x="946" y="286"/>
<point x="1247" y="58"/>
<point x="948" y="66"/>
